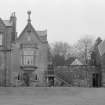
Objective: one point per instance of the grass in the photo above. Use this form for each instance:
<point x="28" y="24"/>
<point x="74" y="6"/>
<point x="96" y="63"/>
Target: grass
<point x="52" y="96"/>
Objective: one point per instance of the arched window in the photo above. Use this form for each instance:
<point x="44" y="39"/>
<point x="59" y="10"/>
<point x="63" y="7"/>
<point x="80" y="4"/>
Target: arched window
<point x="36" y="77"/>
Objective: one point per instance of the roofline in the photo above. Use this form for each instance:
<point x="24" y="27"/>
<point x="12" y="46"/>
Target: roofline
<point x="34" y="32"/>
<point x="2" y="22"/>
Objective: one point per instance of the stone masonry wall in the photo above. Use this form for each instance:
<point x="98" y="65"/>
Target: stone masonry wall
<point x="81" y="76"/>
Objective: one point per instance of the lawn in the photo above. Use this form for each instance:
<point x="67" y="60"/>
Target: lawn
<point x="52" y="96"/>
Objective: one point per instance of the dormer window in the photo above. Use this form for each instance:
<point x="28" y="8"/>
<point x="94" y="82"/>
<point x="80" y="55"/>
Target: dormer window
<point x="1" y="38"/>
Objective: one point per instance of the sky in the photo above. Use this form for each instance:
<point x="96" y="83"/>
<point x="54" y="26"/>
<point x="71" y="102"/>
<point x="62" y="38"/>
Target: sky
<point x="65" y="20"/>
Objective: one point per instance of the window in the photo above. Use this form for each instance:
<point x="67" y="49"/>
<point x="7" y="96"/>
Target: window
<point x="36" y="78"/>
<point x="28" y="60"/>
<point x="1" y="35"/>
<point x="28" y="56"/>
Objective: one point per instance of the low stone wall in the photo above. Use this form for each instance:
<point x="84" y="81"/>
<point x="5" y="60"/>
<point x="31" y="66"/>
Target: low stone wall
<point x="80" y="76"/>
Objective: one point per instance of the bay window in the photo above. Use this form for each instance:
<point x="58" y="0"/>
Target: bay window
<point x="28" y="56"/>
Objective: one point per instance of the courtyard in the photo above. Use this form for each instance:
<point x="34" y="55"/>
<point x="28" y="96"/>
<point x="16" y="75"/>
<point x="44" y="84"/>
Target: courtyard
<point x="52" y="96"/>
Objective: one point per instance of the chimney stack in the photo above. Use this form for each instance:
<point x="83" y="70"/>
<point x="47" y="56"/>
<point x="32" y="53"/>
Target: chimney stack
<point x="13" y="21"/>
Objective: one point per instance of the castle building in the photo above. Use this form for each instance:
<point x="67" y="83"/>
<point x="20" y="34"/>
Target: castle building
<point x="23" y="59"/>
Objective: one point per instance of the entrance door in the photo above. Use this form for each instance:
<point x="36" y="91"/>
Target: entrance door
<point x="26" y="79"/>
<point x="96" y="80"/>
<point x="51" y="81"/>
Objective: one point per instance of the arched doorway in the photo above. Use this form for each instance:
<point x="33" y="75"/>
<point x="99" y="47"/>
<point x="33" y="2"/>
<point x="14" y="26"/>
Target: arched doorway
<point x="26" y="79"/>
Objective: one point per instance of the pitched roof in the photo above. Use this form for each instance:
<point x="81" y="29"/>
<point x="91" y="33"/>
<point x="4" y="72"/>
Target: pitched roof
<point x="101" y="48"/>
<point x="29" y="25"/>
<point x="41" y="35"/>
<point x="76" y="62"/>
<point x="7" y="23"/>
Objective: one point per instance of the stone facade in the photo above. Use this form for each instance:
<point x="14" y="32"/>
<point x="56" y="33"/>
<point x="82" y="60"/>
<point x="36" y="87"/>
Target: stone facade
<point x="7" y="36"/>
<point x="25" y="58"/>
<point x="79" y="76"/>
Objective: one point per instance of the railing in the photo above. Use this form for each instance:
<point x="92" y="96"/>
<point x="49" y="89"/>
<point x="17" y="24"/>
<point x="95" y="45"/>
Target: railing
<point x="60" y="75"/>
<point x="66" y="76"/>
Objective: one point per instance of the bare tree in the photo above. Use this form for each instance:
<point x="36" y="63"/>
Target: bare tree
<point x="59" y="51"/>
<point x="60" y="48"/>
<point x="82" y="48"/>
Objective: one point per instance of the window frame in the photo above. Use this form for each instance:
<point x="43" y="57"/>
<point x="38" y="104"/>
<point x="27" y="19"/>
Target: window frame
<point x="26" y="56"/>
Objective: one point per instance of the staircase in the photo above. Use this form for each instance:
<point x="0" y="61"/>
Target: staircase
<point x="61" y="73"/>
<point x="64" y="76"/>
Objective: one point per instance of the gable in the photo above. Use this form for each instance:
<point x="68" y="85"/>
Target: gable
<point x="29" y="35"/>
<point x="76" y="62"/>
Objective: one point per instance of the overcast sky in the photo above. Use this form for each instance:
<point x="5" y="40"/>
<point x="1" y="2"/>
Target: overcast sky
<point x="65" y="20"/>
